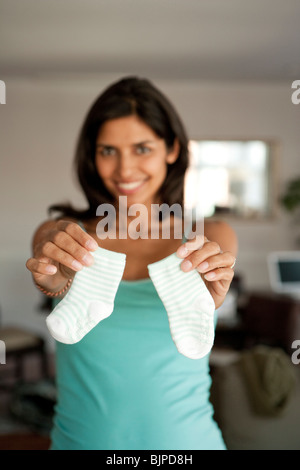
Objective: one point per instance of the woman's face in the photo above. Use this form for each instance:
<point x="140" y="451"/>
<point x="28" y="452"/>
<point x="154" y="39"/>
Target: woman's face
<point x="132" y="160"/>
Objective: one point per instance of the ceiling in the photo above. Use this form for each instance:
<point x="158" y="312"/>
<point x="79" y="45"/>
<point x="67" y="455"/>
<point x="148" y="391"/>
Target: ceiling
<point x="176" y="39"/>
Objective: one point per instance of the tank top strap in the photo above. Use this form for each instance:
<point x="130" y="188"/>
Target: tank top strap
<point x="187" y="230"/>
<point x="184" y="238"/>
<point x="80" y="223"/>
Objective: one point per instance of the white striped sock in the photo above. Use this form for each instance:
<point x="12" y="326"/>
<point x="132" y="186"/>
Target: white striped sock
<point x="189" y="305"/>
<point x="90" y="298"/>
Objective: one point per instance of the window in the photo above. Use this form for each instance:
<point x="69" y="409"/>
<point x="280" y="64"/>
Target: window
<point x="230" y="177"/>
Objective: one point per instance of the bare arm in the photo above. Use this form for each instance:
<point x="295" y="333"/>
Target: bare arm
<point x="223" y="234"/>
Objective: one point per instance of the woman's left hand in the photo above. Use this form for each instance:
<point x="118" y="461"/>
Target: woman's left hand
<point x="214" y="265"/>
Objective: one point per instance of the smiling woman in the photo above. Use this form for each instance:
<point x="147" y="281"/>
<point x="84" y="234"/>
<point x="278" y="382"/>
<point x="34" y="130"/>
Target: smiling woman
<point x="133" y="318"/>
<point x="152" y="116"/>
<point x="126" y="165"/>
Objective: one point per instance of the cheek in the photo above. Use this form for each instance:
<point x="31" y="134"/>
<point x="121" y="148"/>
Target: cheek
<point x="155" y="166"/>
<point x="104" y="168"/>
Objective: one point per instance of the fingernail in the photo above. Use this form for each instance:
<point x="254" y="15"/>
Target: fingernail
<point x="91" y="245"/>
<point x="87" y="259"/>
<point x="76" y="265"/>
<point x="203" y="266"/>
<point x="186" y="266"/>
<point x="210" y="276"/>
<point x="182" y="251"/>
<point x="51" y="269"/>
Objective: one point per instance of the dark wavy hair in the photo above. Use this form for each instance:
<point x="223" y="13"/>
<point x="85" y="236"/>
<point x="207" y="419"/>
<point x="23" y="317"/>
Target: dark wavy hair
<point x="129" y="96"/>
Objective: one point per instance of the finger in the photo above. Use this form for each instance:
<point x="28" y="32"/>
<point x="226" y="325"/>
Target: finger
<point x="220" y="274"/>
<point x="60" y="256"/>
<point x="197" y="257"/>
<point x="188" y="247"/>
<point x="222" y="260"/>
<point x="67" y="244"/>
<point x="41" y="266"/>
<point x="78" y="234"/>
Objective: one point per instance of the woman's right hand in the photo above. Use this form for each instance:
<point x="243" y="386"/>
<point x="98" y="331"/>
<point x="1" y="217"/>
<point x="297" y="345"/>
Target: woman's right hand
<point x="60" y="249"/>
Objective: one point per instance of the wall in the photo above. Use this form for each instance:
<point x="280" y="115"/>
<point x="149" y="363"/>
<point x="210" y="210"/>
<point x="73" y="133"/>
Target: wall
<point x="38" y="128"/>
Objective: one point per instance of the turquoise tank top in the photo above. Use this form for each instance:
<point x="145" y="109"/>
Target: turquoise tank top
<point x="125" y="386"/>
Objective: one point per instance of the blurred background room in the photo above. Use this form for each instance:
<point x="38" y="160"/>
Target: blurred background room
<point x="229" y="68"/>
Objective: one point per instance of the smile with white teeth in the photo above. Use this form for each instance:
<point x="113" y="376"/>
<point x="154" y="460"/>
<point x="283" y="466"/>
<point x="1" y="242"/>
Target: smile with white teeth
<point x="131" y="185"/>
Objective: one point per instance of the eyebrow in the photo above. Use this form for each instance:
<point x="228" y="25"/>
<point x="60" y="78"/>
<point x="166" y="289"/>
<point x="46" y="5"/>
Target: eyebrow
<point x="102" y="144"/>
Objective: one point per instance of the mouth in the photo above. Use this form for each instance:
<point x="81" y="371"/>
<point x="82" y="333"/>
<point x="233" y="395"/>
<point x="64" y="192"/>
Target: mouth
<point x="129" y="187"/>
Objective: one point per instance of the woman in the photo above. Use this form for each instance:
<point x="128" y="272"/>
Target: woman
<point x="123" y="384"/>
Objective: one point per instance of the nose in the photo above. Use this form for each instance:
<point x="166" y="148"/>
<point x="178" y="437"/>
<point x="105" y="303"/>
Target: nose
<point x="125" y="166"/>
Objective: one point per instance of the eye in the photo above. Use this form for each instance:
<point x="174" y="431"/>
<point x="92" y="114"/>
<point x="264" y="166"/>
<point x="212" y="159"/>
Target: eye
<point x="142" y="150"/>
<point x="106" y="151"/>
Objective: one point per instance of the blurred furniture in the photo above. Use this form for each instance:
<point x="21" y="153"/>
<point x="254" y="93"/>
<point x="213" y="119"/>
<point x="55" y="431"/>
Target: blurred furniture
<point x="243" y="428"/>
<point x="262" y="318"/>
<point x="24" y="441"/>
<point x="19" y="344"/>
<point x="271" y="319"/>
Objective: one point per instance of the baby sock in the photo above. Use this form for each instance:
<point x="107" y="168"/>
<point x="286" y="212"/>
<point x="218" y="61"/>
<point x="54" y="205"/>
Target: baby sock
<point x="90" y="298"/>
<point x="189" y="305"/>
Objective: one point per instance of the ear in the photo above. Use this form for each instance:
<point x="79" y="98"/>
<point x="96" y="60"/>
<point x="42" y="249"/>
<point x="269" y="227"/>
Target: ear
<point x="173" y="153"/>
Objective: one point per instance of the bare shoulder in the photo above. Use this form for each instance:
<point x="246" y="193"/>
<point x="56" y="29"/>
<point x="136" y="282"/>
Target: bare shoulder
<point x="222" y="233"/>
